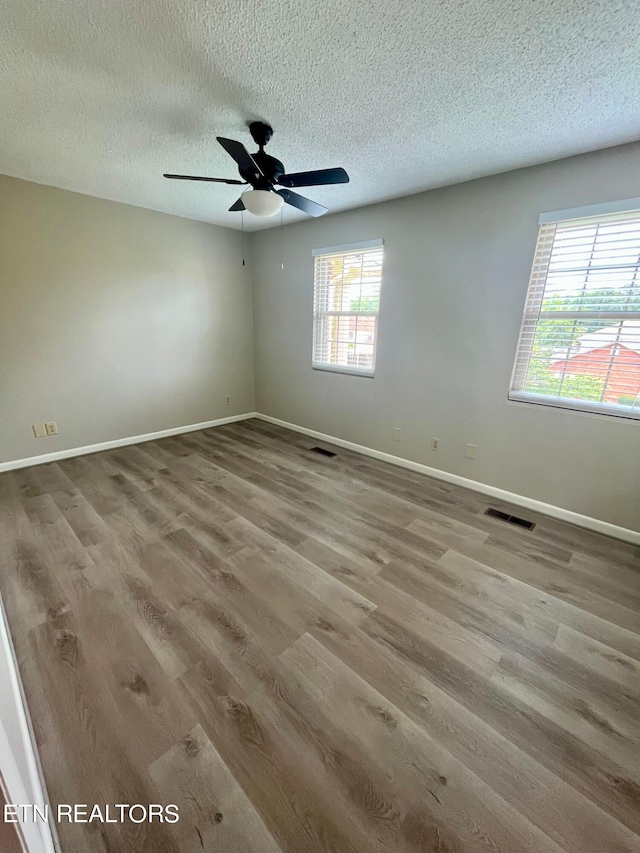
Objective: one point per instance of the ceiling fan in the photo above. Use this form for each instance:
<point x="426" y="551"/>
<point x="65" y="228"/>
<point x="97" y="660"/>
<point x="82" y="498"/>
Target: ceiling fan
<point x="264" y="173"/>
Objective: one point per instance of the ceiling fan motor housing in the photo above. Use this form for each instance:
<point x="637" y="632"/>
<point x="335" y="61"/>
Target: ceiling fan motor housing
<point x="272" y="170"/>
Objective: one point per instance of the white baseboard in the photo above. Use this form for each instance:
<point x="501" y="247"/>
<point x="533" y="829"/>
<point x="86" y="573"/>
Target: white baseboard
<point x="589" y="523"/>
<point x="558" y="512"/>
<point x="118" y="442"/>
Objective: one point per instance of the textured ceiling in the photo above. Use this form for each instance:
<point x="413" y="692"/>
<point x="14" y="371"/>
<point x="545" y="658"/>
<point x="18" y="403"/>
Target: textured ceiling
<point x="103" y="96"/>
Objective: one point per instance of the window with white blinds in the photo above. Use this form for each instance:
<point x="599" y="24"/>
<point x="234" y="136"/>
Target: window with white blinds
<point x="346" y="302"/>
<point x="579" y="345"/>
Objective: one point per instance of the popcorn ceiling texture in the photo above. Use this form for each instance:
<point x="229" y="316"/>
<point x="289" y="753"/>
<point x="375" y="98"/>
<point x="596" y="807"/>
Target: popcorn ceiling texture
<point x="103" y="96"/>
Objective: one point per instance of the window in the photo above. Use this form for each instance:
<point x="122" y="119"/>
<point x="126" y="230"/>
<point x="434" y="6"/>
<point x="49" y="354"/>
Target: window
<point x="579" y="344"/>
<point x="346" y="301"/>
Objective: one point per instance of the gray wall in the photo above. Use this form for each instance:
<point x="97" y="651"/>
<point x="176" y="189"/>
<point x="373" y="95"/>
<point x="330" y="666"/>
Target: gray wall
<point x="456" y="270"/>
<point x="115" y="321"/>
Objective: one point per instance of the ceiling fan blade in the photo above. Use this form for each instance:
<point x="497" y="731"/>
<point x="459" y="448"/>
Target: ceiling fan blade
<point x="302" y="203"/>
<point x="314" y="179"/>
<point x="240" y="155"/>
<point x="238" y="205"/>
<point x="198" y="178"/>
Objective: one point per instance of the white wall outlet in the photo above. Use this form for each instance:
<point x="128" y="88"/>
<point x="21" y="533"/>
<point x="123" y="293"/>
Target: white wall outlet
<point x="435" y="443"/>
<point x="227" y="401"/>
<point x="39" y="430"/>
<point x="470" y="451"/>
<point x="397" y="433"/>
<point x="51" y="428"/>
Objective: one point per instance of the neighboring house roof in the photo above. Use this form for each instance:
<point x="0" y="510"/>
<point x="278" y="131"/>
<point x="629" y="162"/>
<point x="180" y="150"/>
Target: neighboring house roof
<point x="626" y="333"/>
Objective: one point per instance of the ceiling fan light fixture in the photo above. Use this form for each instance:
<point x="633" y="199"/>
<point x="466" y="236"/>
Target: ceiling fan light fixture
<point x="262" y="202"/>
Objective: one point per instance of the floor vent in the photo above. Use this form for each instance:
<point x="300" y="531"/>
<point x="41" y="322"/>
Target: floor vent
<point x="512" y="519"/>
<point x="323" y="451"/>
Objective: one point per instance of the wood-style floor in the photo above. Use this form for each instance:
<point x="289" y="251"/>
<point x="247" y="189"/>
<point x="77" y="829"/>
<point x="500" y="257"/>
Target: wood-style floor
<point x="319" y="654"/>
<point x="9" y="839"/>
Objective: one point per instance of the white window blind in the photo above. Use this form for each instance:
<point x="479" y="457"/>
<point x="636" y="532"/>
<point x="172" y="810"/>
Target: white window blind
<point x="579" y="344"/>
<point x="346" y="302"/>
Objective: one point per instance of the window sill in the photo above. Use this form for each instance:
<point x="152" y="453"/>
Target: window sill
<point x="578" y="406"/>
<point x="349" y="371"/>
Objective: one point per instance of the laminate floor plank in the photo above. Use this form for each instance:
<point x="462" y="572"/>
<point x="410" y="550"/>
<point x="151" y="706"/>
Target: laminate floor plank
<point x="302" y="589"/>
<point x="263" y="703"/>
<point x="215" y="813"/>
<point x="421" y="767"/>
<point x="551" y="803"/>
<point x="591" y="771"/>
<point x="495" y="611"/>
<point x="547" y="605"/>
<point x="603" y="659"/>
<point x="311" y="654"/>
<point x="284" y="779"/>
<point x="604" y="725"/>
<point x="545" y="577"/>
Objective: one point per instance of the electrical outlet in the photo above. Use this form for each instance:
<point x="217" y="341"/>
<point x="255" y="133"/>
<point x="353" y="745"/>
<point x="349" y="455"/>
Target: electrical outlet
<point x="397" y="433"/>
<point x="435" y="443"/>
<point x="470" y="451"/>
<point x="39" y="430"/>
<point x="51" y="428"/>
<point x="227" y="401"/>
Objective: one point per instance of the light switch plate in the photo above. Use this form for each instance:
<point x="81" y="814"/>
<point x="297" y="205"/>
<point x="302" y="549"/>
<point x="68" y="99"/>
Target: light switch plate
<point x="397" y="433"/>
<point x="39" y="430"/>
<point x="470" y="451"/>
<point x="51" y="427"/>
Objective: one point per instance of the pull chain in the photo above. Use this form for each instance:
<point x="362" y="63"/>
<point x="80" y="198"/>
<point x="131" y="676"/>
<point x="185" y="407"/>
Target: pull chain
<point x="242" y="225"/>
<point x="281" y="243"/>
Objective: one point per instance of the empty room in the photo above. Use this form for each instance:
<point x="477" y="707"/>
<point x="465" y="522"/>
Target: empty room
<point x="320" y="426"/>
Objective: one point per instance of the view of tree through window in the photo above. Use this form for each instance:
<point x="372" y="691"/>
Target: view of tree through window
<point x="580" y="339"/>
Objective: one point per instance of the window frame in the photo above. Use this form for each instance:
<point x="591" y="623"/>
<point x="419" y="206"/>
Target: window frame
<point x="532" y="312"/>
<point x="328" y="367"/>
